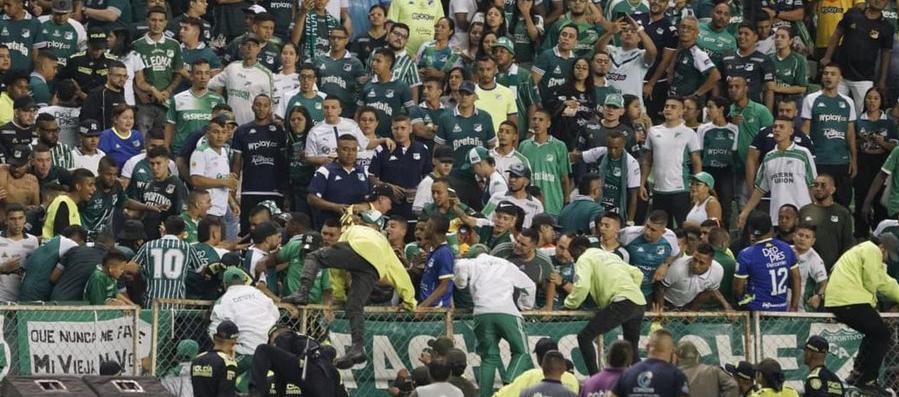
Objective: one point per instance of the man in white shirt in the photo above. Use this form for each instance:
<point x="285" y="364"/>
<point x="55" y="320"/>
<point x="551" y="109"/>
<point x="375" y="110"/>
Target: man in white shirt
<point x="15" y="247"/>
<point x="691" y="281"/>
<point x="629" y="62"/>
<point x="247" y="307"/>
<point x="242" y="81"/>
<point x="321" y="143"/>
<point x="811" y="266"/>
<point x="210" y="169"/>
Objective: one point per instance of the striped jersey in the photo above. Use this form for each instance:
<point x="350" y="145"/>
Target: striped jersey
<point x="405" y="70"/>
<point x="164" y="264"/>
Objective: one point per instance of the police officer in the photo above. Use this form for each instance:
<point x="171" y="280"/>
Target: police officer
<point x="294" y="359"/>
<point x="820" y="382"/>
<point x="88" y="68"/>
<point x="213" y="373"/>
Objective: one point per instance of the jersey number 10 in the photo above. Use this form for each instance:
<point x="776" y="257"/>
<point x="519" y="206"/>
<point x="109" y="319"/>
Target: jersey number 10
<point x="168" y="263"/>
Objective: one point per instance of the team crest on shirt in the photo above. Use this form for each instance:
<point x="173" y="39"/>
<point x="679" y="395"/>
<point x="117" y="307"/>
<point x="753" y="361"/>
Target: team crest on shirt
<point x="170" y="53"/>
<point x="416" y="156"/>
<point x="4" y="32"/>
<point x="346" y="67"/>
<point x="269" y="59"/>
<point x="616" y="172"/>
<point x="252" y="130"/>
<point x="136" y="143"/>
<point x="660" y="30"/>
<point x="55" y="33"/>
<point x="660" y="250"/>
<point x="371" y="94"/>
<point x="271" y="128"/>
<point x="170" y="189"/>
<point x="834" y="218"/>
<point x="318" y="106"/>
<point x="874" y="34"/>
<point x="550" y="158"/>
<point x="456" y="128"/>
<point x="26" y="33"/>
<point x="389" y="93"/>
<point x="69" y="35"/>
<point x="842" y="105"/>
<point x="478" y="127"/>
<point x="361" y="177"/>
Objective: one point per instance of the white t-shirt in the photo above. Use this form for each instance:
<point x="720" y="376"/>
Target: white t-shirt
<point x="811" y="266"/>
<point x="88" y="162"/>
<point x="9" y="250"/>
<point x="133" y="64"/>
<point x="469" y="7"/>
<point x="242" y="84"/>
<point x="253" y="313"/>
<point x="683" y="286"/>
<point x="322" y="139"/>
<point x="205" y="161"/>
<point x="628" y="69"/>
<point x="787" y="176"/>
<point x="284" y="84"/>
<point x="670" y="151"/>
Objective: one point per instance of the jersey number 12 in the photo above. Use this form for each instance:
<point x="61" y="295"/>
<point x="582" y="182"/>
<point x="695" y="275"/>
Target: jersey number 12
<point x="778" y="281"/>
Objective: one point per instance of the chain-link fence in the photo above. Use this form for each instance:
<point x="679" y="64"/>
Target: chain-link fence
<point x="72" y="340"/>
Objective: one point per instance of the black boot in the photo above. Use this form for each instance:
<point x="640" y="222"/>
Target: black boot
<point x="298" y="298"/>
<point x="356" y="355"/>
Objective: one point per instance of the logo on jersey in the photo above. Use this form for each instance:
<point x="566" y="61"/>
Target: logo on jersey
<point x="644" y="380"/>
<point x="361" y="177"/>
<point x="834" y="218"/>
<point x="170" y="189"/>
<point x="389" y="94"/>
<point x="550" y="158"/>
<point x="69" y="35"/>
<point x="26" y="33"/>
<point x="346" y="67"/>
<point x="660" y="250"/>
<point x="416" y="156"/>
<point x="478" y="127"/>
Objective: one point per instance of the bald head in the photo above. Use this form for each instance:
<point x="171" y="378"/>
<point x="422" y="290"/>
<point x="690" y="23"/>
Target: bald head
<point x="661" y="345"/>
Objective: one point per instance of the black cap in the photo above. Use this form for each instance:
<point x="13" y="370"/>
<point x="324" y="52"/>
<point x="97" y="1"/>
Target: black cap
<point x="263" y="231"/>
<point x="18" y="155"/>
<point x="759" y="224"/>
<point x="312" y="241"/>
<point x="231" y="259"/>
<point x="519" y="169"/>
<point x="96" y="36"/>
<point x="132" y="230"/>
<point x="544" y="345"/>
<point x="251" y="37"/>
<point x="507" y="207"/>
<point x="226" y="330"/>
<point x="743" y="370"/>
<point x="89" y="127"/>
<point x="110" y="368"/>
<point x="544" y="219"/>
<point x="441" y="345"/>
<point x="24" y="102"/>
<point x="817" y="344"/>
<point x="467" y="86"/>
<point x="443" y="153"/>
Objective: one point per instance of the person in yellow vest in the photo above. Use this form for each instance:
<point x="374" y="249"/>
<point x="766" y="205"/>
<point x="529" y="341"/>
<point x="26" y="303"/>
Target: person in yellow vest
<point x="63" y="210"/>
<point x="366" y="255"/>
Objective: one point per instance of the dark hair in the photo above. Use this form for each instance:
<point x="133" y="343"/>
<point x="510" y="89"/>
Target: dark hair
<point x="156" y="10"/>
<point x="338" y="27"/>
<point x="385" y="52"/>
<point x="531" y="233"/>
<point x="501" y="30"/>
<point x="439" y="369"/>
<point x="113" y="255"/>
<point x="400" y="25"/>
<point x="620" y="353"/>
<point x="553" y="362"/>
<point x="174" y="225"/>
<point x="586" y="181"/>
<point x="156" y="133"/>
<point x="80" y="175"/>
<point x="399" y="118"/>
<point x="579" y="243"/>
<point x="40" y="148"/>
<point x="479" y="52"/>
<point x="306" y="116"/>
<point x="65" y="90"/>
<point x="158" y="151"/>
<point x="112" y="63"/>
<point x="107" y="162"/>
<point x="308" y="66"/>
<point x="719" y="237"/>
<point x="591" y="93"/>
<point x="366" y="109"/>
<point x="123" y="43"/>
<point x="44" y="117"/>
<point x="440" y="224"/>
<point x="198" y="62"/>
<point x="790" y="206"/>
<point x="808" y="226"/>
<point x="376" y="6"/>
<point x="117" y="110"/>
<point x="347" y="137"/>
<point x="658" y="217"/>
<point x="612" y="215"/>
<point x="882" y="97"/>
<point x="222" y="106"/>
<point x="705" y="249"/>
<point x="256" y="210"/>
<point x="194" y="196"/>
<point x="74" y="231"/>
<point x="193" y="21"/>
<point x="434" y="79"/>
<point x="14" y="207"/>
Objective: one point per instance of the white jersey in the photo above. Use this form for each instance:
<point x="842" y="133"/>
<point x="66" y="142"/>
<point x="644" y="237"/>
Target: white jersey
<point x="787" y="176"/>
<point x="811" y="266"/>
<point x="683" y="286"/>
<point x="629" y="67"/>
<point x="9" y="250"/>
<point x="671" y="148"/>
<point x="241" y="84"/>
<point x="322" y="139"/>
<point x="284" y="84"/>
<point x="86" y="161"/>
<point x="504" y="162"/>
<point x="496" y="184"/>
<point x="67" y="118"/>
<point x="530" y="205"/>
<point x="205" y="161"/>
<point x="253" y="313"/>
<point x="492" y="283"/>
<point x="423" y="195"/>
<point x="133" y="64"/>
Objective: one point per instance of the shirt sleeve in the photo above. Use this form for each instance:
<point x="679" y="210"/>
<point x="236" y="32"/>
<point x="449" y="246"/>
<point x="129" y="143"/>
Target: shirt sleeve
<point x="445" y="260"/>
<point x="319" y="182"/>
<point x="94" y="292"/>
<point x="694" y="145"/>
<point x="702" y="62"/>
<point x="742" y="268"/>
<point x="197" y="163"/>
<point x="170" y="110"/>
<point x="806" y="113"/>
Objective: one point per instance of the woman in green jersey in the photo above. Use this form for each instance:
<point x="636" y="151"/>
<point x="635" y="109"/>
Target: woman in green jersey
<point x="436" y="57"/>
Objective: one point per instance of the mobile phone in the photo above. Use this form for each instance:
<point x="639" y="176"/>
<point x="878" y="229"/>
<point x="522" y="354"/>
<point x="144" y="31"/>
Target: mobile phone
<point x="620" y="16"/>
<point x="452" y="193"/>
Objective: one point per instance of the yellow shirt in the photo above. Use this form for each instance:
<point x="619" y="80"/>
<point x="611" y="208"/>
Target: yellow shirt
<point x="6" y="110"/>
<point x="374" y="248"/>
<point x="499" y="103"/>
<point x="829" y="13"/>
<point x="420" y="15"/>
<point x="768" y="392"/>
<point x="858" y="276"/>
<point x="530" y="378"/>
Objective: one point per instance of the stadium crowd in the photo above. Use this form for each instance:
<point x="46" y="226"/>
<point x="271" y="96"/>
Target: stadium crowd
<point x="619" y="156"/>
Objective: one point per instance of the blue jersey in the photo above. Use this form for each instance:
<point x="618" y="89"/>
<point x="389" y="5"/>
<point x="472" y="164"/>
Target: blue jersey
<point x="766" y="266"/>
<point x="262" y="149"/>
<point x="648" y="255"/>
<point x="439" y="266"/>
<point x="652" y="377"/>
<point x="121" y="149"/>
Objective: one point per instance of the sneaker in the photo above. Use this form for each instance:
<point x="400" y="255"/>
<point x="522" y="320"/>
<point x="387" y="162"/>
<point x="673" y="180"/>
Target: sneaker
<point x="352" y="357"/>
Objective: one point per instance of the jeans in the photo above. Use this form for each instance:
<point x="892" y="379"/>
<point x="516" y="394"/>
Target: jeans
<point x="231" y="224"/>
<point x="875" y="343"/>
<point x="627" y="314"/>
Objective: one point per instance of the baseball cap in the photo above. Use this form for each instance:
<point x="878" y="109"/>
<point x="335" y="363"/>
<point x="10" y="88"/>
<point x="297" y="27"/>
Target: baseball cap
<point x="373" y="217"/>
<point x="223" y="118"/>
<point x="742" y="370"/>
<point x="232" y="274"/>
<point x="476" y="250"/>
<point x="61" y="6"/>
<point x="455" y="357"/>
<point x="759" y="224"/>
<point x="817" y="343"/>
<point x="891" y="243"/>
<point x="226" y="330"/>
<point x="96" y="36"/>
<point x="24" y="102"/>
<point x="187" y="350"/>
<point x="110" y="368"/>
<point x="704" y="177"/>
<point x="89" y="127"/>
<point x="478" y="154"/>
<point x="251" y="37"/>
<point x="231" y="259"/>
<point x="614" y="100"/>
<point x="544" y="219"/>
<point x="520" y="170"/>
<point x="132" y="230"/>
<point x="443" y="154"/>
<point x="312" y="241"/>
<point x="255" y="9"/>
<point x="18" y="155"/>
<point x="504" y="42"/>
<point x="441" y="345"/>
<point x="466" y="86"/>
<point x="545" y="345"/>
<point x="506" y="207"/>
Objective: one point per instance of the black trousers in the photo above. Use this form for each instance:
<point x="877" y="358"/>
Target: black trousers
<point x="840" y="174"/>
<point x="248" y="201"/>
<point x="287" y="367"/>
<point x="725" y="189"/>
<point x="677" y="205"/>
<point x="655" y="105"/>
<point x="627" y="314"/>
<point x="363" y="277"/>
<point x="875" y="343"/>
<point x="868" y="168"/>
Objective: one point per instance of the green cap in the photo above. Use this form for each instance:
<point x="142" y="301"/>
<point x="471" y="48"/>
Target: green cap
<point x="615" y="100"/>
<point x="504" y="42"/>
<point x="476" y="250"/>
<point x="187" y="350"/>
<point x="234" y="275"/>
<point x="478" y="154"/>
<point x="704" y="177"/>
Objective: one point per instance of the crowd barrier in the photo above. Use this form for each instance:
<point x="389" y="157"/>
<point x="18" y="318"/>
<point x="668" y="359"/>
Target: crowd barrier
<point x="73" y="340"/>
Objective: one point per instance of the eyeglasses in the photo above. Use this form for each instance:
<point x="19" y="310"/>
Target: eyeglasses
<point x="338" y="37"/>
<point x="307" y="77"/>
<point x="400" y="35"/>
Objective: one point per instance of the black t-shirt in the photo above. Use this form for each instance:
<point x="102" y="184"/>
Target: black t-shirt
<point x="212" y="374"/>
<point x="822" y="382"/>
<point x="168" y="193"/>
<point x="14" y="134"/>
<point x="57" y="175"/>
<point x="652" y="377"/>
<point x="363" y="46"/>
<point x="664" y="35"/>
<point x="261" y="149"/>
<point x="78" y="264"/>
<point x="863" y="38"/>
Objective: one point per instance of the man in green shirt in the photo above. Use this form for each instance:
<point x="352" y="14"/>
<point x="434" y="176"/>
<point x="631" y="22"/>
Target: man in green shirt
<point x="306" y="96"/>
<point x="340" y="73"/>
<point x="588" y="32"/>
<point x="714" y="37"/>
<point x="790" y="76"/>
<point x="719" y="239"/>
<point x="293" y="253"/>
<point x="549" y="163"/>
<point x="748" y="115"/>
<point x="102" y="286"/>
<point x="198" y="203"/>
<point x="97" y="213"/>
<point x="106" y="13"/>
<point x="577" y="216"/>
<point x="156" y="83"/>
<point x="552" y="68"/>
<point x="42" y="77"/>
<point x="387" y="94"/>
<point x="518" y="79"/>
<point x="190" y="110"/>
<point x="694" y="73"/>
<point x="36" y="284"/>
<point x="60" y="34"/>
<point x="22" y="33"/>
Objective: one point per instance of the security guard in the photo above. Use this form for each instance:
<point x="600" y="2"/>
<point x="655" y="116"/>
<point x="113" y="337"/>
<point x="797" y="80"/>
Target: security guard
<point x="292" y="361"/>
<point x="88" y="68"/>
<point x="820" y="382"/>
<point x="213" y="373"/>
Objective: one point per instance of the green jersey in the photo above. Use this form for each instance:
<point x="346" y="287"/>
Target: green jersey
<point x="389" y="98"/>
<point x="188" y="112"/>
<point x="164" y="264"/>
<point x="122" y="7"/>
<point x="464" y="133"/>
<point x="342" y="77"/>
<point x="629" y="7"/>
<point x="790" y="71"/>
<point x="442" y="59"/>
<point x="587" y="34"/>
<point x="313" y="105"/>
<point x="162" y="59"/>
<point x="96" y="213"/>
<point x="488" y="237"/>
<point x="21" y="37"/>
<point x="190" y="227"/>
<point x="554" y="70"/>
<point x="61" y="155"/>
<point x="717" y="44"/>
<point x="755" y="117"/>
<point x="196" y="286"/>
<point x="866" y="129"/>
<point x="691" y="68"/>
<point x="100" y="287"/>
<point x="293" y="253"/>
<point x="525" y="48"/>
<point x="549" y="164"/>
<point x="38" y="266"/>
<point x="891" y="168"/>
<point x="718" y="144"/>
<point x="520" y="81"/>
<point x="830" y="118"/>
<point x="63" y="39"/>
<point x="40" y="90"/>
